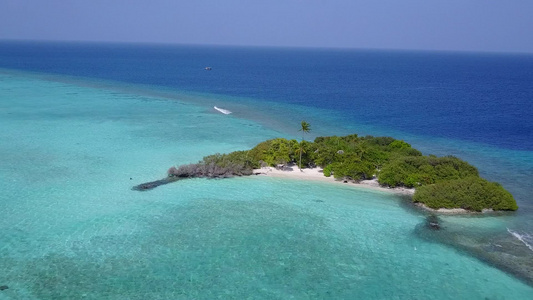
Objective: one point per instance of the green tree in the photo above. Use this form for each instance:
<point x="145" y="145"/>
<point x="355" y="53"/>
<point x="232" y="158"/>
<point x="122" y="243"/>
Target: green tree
<point x="305" y="128"/>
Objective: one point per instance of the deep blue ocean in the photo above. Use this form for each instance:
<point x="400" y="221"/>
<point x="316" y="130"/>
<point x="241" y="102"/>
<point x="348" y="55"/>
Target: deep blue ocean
<point x="56" y="96"/>
<point x="478" y="97"/>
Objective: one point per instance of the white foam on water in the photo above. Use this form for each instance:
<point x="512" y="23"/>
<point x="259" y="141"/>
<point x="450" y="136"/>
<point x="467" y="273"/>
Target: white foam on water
<point x="522" y="237"/>
<point x="224" y="111"/>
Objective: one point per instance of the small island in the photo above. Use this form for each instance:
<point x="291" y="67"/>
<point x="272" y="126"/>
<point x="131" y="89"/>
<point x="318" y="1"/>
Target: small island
<point x="438" y="182"/>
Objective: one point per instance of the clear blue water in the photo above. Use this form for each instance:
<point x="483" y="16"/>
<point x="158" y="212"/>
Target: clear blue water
<point x="82" y="123"/>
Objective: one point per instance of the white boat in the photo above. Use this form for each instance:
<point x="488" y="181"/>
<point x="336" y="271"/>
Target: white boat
<point x="224" y="111"/>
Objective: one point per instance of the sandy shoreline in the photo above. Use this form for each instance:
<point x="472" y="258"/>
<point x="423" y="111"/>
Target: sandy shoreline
<point x="315" y="174"/>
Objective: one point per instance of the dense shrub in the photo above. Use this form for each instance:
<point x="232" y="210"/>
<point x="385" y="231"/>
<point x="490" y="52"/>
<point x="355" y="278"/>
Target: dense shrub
<point x="281" y="151"/>
<point x="353" y="169"/>
<point x="236" y="163"/>
<point x="276" y="151"/>
<point x="472" y="193"/>
<point x="412" y="171"/>
<point x="327" y="171"/>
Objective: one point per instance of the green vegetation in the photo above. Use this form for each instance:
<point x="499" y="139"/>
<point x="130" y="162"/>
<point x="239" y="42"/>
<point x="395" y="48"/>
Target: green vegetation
<point x="276" y="151"/>
<point x="412" y="171"/>
<point x="357" y="158"/>
<point x="440" y="182"/>
<point x="472" y="193"/>
<point x="236" y="163"/>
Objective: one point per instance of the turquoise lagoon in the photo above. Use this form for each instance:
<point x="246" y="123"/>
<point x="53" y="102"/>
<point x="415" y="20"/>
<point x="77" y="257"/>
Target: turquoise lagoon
<point x="72" y="228"/>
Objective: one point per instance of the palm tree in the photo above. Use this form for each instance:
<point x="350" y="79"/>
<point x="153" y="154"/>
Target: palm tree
<point x="305" y="128"/>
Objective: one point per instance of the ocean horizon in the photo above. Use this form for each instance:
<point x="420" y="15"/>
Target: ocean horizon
<point x="82" y="123"/>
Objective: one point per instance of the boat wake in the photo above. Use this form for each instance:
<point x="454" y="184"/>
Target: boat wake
<point x="524" y="238"/>
<point x="224" y="111"/>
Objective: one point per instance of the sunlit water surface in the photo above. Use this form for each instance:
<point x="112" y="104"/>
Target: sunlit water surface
<point x="72" y="228"/>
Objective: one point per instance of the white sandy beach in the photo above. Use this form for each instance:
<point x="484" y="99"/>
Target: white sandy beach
<point x="317" y="175"/>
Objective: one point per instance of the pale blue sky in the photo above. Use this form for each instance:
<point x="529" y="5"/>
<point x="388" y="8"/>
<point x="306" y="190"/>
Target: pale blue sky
<point x="470" y="25"/>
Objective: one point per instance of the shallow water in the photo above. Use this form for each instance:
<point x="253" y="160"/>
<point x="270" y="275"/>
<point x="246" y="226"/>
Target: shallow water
<point x="73" y="228"/>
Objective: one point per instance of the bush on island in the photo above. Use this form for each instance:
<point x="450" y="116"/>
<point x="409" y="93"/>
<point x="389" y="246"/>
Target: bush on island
<point x="236" y="163"/>
<point x="472" y="193"/>
<point x="412" y="171"/>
